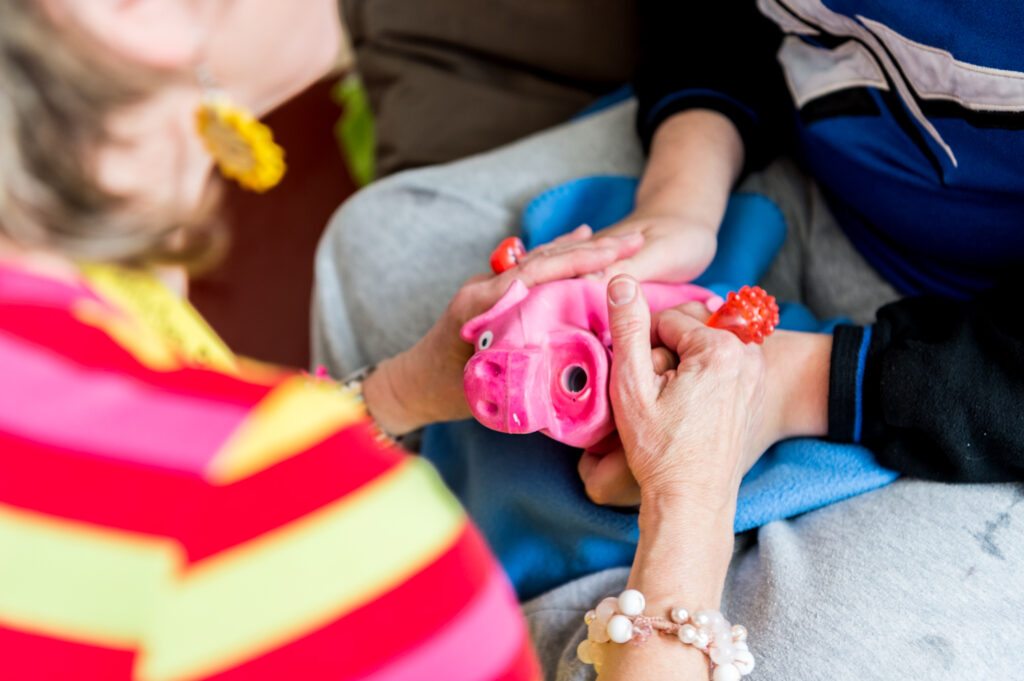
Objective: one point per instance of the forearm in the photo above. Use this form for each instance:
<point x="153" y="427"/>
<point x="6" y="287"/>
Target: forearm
<point x="401" y="397"/>
<point x="388" y="401"/>
<point x="696" y="157"/>
<point x="933" y="388"/>
<point x="682" y="558"/>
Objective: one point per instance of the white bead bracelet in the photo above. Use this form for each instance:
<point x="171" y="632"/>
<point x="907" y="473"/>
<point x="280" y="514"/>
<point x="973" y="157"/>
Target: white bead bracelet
<point x="620" y="620"/>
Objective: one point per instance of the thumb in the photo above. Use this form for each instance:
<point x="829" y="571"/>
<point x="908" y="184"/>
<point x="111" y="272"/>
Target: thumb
<point x="629" y="322"/>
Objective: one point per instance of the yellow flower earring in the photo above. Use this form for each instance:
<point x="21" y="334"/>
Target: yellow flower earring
<point x="243" y="148"/>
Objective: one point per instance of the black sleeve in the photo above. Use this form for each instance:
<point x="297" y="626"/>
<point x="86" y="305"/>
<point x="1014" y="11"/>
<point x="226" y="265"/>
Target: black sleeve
<point x="935" y="387"/>
<point x="713" y="54"/>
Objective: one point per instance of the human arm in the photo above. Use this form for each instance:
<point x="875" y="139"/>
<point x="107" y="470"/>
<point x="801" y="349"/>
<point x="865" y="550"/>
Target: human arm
<point x="940" y="384"/>
<point x="796" y="404"/>
<point x="424" y="384"/>
<point x="694" y="161"/>
<point x="687" y="434"/>
<point x="705" y="109"/>
<point x="933" y="388"/>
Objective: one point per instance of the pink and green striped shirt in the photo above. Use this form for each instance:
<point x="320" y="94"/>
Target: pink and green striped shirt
<point x="161" y="520"/>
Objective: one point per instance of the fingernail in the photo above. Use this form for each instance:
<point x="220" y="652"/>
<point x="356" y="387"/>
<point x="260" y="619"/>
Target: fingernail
<point x="621" y="291"/>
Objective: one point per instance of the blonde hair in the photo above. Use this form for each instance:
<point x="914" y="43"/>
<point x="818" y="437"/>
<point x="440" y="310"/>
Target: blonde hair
<point x="57" y="91"/>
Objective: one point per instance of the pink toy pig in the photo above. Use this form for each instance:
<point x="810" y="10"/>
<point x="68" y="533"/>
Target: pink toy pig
<point x="543" y="355"/>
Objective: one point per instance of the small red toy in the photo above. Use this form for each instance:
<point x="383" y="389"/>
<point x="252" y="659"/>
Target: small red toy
<point x="507" y="254"/>
<point x="751" y="314"/>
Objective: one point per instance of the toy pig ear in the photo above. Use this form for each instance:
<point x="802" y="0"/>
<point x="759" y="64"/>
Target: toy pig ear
<point x="513" y="296"/>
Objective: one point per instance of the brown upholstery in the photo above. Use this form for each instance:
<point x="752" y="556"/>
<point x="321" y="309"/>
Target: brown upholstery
<point x="448" y="78"/>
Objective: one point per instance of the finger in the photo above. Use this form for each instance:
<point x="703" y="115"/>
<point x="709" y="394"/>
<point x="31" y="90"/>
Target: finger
<point x="696" y="309"/>
<point x="608" y="480"/>
<point x="538" y="268"/>
<point x="663" y="360"/>
<point x="579" y="259"/>
<point x="673" y="327"/>
<point x="629" y="321"/>
<point x="672" y="254"/>
<point x="625" y="246"/>
<point x="581" y="233"/>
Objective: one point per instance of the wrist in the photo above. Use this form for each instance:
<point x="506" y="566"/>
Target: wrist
<point x="797" y="385"/>
<point x="389" y="397"/>
<point x="672" y="205"/>
<point x="684" y="550"/>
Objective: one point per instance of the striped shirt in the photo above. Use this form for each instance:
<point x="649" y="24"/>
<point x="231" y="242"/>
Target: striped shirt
<point x="164" y="521"/>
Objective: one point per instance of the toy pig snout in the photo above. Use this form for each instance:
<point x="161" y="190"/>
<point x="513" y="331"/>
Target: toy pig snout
<point x="487" y="381"/>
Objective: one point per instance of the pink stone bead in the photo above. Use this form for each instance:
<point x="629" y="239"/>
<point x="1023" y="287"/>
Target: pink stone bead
<point x="597" y="631"/>
<point x="605" y="609"/>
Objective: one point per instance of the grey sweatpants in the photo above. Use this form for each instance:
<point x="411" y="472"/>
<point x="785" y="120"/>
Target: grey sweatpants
<point x="914" y="580"/>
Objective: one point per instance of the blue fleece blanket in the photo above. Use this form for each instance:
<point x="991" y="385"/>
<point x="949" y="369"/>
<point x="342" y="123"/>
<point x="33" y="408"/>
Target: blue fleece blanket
<point x="523" y="490"/>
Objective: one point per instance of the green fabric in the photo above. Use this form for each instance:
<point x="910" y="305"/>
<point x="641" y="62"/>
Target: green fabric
<point x="355" y="130"/>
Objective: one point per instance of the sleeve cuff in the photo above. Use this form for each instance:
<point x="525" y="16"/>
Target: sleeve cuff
<point x="846" y="383"/>
<point x="742" y="116"/>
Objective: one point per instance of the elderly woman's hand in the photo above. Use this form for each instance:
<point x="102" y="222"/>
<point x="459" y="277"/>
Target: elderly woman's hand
<point x="692" y="430"/>
<point x="689" y="434"/>
<point x="795" y="400"/>
<point x="424" y="384"/>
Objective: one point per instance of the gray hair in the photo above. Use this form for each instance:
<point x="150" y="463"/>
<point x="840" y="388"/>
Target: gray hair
<point x="58" y="89"/>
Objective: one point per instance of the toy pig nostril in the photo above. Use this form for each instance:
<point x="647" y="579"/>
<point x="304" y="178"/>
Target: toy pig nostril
<point x="487" y="369"/>
<point x="487" y="408"/>
<point x="574" y="379"/>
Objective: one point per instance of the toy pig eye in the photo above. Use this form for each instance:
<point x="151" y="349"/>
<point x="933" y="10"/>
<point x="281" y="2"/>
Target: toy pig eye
<point x="574" y="379"/>
<point x="485" y="340"/>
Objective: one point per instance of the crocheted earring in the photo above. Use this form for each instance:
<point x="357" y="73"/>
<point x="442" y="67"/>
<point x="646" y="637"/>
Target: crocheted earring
<point x="243" y="148"/>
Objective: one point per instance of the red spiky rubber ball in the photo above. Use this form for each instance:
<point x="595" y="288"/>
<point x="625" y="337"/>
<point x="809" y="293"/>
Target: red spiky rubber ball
<point x="750" y="313"/>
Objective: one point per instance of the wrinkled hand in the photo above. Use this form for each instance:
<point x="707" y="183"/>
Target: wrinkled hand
<point x="693" y="430"/>
<point x="426" y="380"/>
<point x="676" y="249"/>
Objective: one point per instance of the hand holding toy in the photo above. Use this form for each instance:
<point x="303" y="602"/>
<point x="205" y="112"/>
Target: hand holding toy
<point x="543" y="354"/>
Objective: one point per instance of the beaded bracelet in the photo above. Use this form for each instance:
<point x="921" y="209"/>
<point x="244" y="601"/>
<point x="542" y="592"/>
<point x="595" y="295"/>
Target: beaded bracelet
<point x="621" y="619"/>
<point x="353" y="386"/>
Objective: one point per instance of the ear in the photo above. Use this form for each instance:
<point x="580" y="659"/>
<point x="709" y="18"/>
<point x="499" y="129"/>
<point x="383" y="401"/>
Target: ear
<point x="164" y="34"/>
<point x="515" y="294"/>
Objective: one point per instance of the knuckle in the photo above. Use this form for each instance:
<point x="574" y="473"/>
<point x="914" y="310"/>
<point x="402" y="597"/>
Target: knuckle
<point x="466" y="295"/>
<point x="597" y="492"/>
<point x="727" y="348"/>
<point x="627" y="325"/>
<point x="696" y="309"/>
<point x="671" y="323"/>
<point x="692" y="306"/>
<point x="460" y="300"/>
